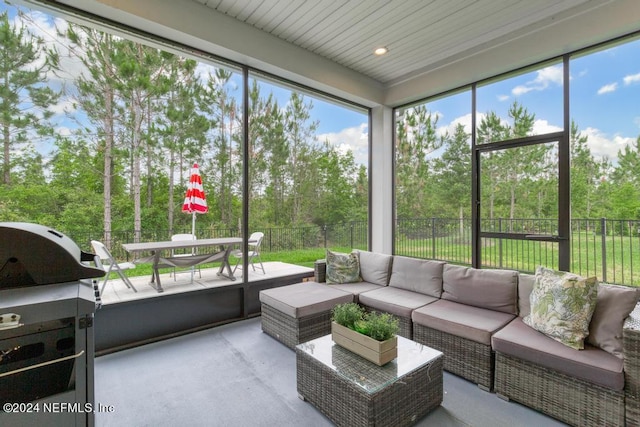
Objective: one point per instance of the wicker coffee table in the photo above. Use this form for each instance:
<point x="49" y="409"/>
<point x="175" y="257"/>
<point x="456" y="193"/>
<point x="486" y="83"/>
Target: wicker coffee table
<point x="352" y="391"/>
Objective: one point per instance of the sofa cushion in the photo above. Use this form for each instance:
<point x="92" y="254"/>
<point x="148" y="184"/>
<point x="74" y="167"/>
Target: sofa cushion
<point x="400" y="302"/>
<point x="473" y="323"/>
<point x="525" y="286"/>
<point x="304" y="299"/>
<point x="375" y="267"/>
<point x="613" y="305"/>
<point x="591" y="364"/>
<point x="562" y="304"/>
<point x="493" y="289"/>
<point x="342" y="268"/>
<point x="417" y="275"/>
<point x="356" y="288"/>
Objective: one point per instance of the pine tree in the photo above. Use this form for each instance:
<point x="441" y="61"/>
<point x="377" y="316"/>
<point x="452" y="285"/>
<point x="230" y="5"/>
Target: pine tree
<point x="416" y="139"/>
<point x="25" y="98"/>
<point x="453" y="174"/>
<point x="96" y="96"/>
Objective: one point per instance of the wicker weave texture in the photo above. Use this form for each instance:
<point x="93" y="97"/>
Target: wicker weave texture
<point x="571" y="400"/>
<point x="402" y="403"/>
<point x="463" y="357"/>
<point x="631" y="345"/>
<point x="291" y="331"/>
<point x="320" y="271"/>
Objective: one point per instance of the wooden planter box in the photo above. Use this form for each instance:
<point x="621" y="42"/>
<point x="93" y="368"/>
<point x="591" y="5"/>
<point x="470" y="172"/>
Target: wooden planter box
<point x="378" y="352"/>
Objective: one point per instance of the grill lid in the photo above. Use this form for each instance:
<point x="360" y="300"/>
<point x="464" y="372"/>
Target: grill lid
<point x="32" y="254"/>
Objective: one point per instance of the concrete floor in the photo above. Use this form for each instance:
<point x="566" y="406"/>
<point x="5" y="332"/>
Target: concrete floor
<point x="116" y="291"/>
<point x="235" y="375"/>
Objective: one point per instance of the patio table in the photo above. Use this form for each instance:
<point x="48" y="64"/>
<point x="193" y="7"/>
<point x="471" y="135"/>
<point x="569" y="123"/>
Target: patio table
<point x="352" y="391"/>
<point x="224" y="246"/>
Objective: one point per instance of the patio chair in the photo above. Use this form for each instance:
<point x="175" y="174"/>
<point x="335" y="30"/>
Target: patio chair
<point x="181" y="237"/>
<point x="106" y="262"/>
<point x="254" y="252"/>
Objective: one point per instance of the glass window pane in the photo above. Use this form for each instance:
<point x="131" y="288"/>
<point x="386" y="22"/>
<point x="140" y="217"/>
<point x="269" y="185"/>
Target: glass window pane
<point x="519" y="189"/>
<point x="521" y="255"/>
<point x="605" y="162"/>
<point x="106" y="129"/>
<point x="530" y="103"/>
<point x="308" y="171"/>
<point x="433" y="179"/>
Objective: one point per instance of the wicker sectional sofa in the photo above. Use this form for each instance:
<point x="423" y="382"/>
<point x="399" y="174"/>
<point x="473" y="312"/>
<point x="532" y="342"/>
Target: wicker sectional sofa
<point x="475" y="318"/>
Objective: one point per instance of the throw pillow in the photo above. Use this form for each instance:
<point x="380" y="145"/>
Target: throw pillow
<point x="342" y="268"/>
<point x="562" y="305"/>
<point x="612" y="308"/>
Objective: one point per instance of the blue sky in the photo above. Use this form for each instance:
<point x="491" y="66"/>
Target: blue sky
<point x="605" y="89"/>
<point x="604" y="94"/>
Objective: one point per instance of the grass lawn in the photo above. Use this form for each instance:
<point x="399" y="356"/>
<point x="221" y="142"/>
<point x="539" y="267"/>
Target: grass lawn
<point x="618" y="257"/>
<point x="305" y="258"/>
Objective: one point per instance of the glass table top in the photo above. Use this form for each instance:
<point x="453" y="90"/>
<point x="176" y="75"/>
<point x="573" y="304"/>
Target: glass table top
<point x="364" y="374"/>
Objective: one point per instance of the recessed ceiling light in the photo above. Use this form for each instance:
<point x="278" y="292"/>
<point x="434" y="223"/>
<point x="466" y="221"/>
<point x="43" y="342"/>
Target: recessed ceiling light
<point x="381" y="51"/>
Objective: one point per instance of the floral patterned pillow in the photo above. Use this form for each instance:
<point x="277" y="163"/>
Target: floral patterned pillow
<point x="562" y="305"/>
<point x="342" y="268"/>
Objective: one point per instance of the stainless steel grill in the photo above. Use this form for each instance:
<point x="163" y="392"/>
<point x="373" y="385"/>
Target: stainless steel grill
<point x="47" y="303"/>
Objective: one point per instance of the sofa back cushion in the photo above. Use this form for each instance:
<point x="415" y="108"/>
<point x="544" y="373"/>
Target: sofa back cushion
<point x="492" y="289"/>
<point x="525" y="286"/>
<point x="613" y="305"/>
<point x="375" y="267"/>
<point x="417" y="275"/>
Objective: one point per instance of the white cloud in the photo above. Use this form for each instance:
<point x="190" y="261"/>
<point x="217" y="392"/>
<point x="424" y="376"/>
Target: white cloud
<point x="64" y="106"/>
<point x="611" y="87"/>
<point x="602" y="145"/>
<point x="544" y="78"/>
<point x="521" y="90"/>
<point x="503" y="98"/>
<point x="63" y="131"/>
<point x="541" y="127"/>
<point x="354" y="139"/>
<point x="451" y="126"/>
<point x="634" y="78"/>
<point x="44" y="26"/>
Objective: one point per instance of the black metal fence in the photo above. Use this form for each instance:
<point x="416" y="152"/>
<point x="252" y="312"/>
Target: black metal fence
<point x="608" y="249"/>
<point x="276" y="239"/>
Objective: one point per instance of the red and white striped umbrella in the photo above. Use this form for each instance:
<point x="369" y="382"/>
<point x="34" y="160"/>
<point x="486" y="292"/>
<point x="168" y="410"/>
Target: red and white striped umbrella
<point x="195" y="200"/>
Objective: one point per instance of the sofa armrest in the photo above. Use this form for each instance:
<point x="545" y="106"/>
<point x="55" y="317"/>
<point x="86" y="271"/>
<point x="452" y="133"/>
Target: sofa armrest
<point x="320" y="271"/>
<point x="631" y="348"/>
<point x="631" y="340"/>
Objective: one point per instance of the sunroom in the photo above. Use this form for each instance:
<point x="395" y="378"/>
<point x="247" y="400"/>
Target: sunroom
<point x="489" y="134"/>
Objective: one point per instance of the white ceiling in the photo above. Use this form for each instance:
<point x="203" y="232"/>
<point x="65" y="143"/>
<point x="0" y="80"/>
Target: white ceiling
<point x="420" y="34"/>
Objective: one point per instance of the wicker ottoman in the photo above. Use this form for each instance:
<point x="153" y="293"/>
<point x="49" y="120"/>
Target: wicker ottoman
<point x="297" y="313"/>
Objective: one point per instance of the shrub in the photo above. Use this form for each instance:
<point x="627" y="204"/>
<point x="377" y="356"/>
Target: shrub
<point x="379" y="326"/>
<point x="347" y="314"/>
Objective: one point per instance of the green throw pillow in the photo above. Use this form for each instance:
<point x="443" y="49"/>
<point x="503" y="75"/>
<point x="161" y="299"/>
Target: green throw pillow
<point x="562" y="305"/>
<point x="342" y="268"/>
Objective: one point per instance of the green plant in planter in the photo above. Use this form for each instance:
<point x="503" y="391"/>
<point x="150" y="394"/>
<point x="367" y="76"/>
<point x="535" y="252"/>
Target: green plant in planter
<point x="347" y="314"/>
<point x="379" y="326"/>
